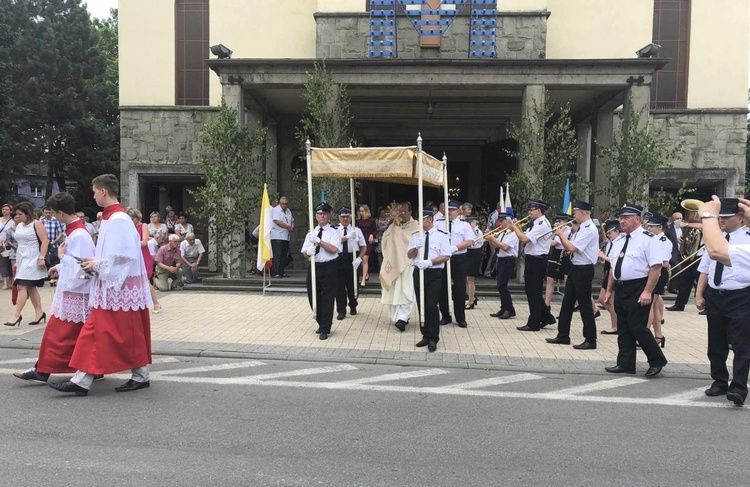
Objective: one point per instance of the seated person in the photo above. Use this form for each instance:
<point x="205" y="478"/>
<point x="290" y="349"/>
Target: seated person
<point x="192" y="252"/>
<point x="169" y="265"/>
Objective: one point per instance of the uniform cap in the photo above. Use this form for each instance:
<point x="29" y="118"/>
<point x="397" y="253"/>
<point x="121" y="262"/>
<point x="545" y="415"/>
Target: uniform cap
<point x="345" y="210"/>
<point x="563" y="216"/>
<point x="538" y="204"/>
<point x="630" y="209"/>
<point x="610" y="225"/>
<point x="729" y="207"/>
<point x="452" y="204"/>
<point x="656" y="220"/>
<point x="323" y="208"/>
<point x="582" y="205"/>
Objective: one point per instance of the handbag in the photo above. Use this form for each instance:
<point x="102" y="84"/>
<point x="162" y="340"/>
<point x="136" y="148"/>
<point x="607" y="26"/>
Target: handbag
<point x="51" y="259"/>
<point x="6" y="248"/>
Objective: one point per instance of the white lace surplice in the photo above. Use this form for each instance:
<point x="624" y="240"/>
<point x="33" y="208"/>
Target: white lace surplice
<point x="120" y="281"/>
<point x="71" y="302"/>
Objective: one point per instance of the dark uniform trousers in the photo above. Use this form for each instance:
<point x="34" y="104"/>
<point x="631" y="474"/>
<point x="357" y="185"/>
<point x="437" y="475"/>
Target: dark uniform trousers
<point x="632" y="319"/>
<point x="727" y="314"/>
<point x="345" y="282"/>
<point x="685" y="282"/>
<point x="458" y="274"/>
<point x="578" y="288"/>
<point x="432" y="283"/>
<point x="326" y="279"/>
<point x="504" y="270"/>
<point x="280" y="250"/>
<point x="534" y="275"/>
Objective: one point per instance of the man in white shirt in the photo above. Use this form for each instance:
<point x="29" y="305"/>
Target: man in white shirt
<point x="191" y="251"/>
<point x="506" y="254"/>
<point x="351" y="239"/>
<point x="283" y="225"/>
<point x="462" y="237"/>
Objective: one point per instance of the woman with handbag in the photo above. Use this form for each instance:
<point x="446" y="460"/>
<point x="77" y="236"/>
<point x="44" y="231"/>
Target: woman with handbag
<point x="6" y="225"/>
<point x="31" y="272"/>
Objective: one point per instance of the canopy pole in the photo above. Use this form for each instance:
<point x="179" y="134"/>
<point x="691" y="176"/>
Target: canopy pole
<point x="313" y="287"/>
<point x="354" y="231"/>
<point x="421" y="229"/>
<point x="448" y="231"/>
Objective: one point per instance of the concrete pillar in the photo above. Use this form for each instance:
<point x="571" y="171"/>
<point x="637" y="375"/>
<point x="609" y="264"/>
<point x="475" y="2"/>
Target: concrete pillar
<point x="602" y="168"/>
<point x="272" y="160"/>
<point x="234" y="97"/>
<point x="533" y="104"/>
<point x="583" y="167"/>
<point x="636" y="114"/>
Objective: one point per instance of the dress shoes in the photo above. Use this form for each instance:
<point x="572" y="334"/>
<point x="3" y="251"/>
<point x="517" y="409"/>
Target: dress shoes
<point x="341" y="316"/>
<point x="498" y="314"/>
<point x="317" y="332"/>
<point x="715" y="390"/>
<point x="462" y="324"/>
<point x="446" y="321"/>
<point x="99" y="377"/>
<point x="559" y="340"/>
<point x="702" y="313"/>
<point x="132" y="385"/>
<point x="526" y="328"/>
<point x="323" y="335"/>
<point x="353" y="311"/>
<point x="619" y="369"/>
<point x="676" y="307"/>
<point x="598" y="314"/>
<point x="549" y="321"/>
<point x="401" y="325"/>
<point x="507" y="315"/>
<point x="32" y="375"/>
<point x="736" y="398"/>
<point x="422" y="343"/>
<point x="585" y="346"/>
<point x="653" y="371"/>
<point x="68" y="387"/>
<point x="432" y="346"/>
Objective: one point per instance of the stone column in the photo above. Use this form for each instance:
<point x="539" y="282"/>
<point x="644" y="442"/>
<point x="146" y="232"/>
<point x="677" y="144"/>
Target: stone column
<point x="234" y="97"/>
<point x="636" y="114"/>
<point x="272" y="160"/>
<point x="583" y="167"/>
<point x="602" y="163"/>
<point x="533" y="104"/>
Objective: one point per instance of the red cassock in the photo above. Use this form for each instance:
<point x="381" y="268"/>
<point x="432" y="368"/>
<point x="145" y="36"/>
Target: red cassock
<point x="57" y="345"/>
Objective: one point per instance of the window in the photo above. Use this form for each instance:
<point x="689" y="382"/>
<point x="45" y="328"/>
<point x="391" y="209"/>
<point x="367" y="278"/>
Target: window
<point x="191" y="26"/>
<point x="37" y="189"/>
<point x="672" y="32"/>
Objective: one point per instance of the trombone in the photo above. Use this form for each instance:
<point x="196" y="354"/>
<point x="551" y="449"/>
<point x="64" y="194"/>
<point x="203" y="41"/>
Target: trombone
<point x="547" y="235"/>
<point x="691" y="256"/>
<point x="496" y="232"/>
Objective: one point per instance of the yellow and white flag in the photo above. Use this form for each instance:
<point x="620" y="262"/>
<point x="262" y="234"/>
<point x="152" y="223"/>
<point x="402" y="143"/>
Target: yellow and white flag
<point x="265" y="253"/>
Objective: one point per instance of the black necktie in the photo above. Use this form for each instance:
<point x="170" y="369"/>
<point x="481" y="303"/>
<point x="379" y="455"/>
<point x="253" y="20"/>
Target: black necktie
<point x="426" y="245"/>
<point x="618" y="266"/>
<point x="719" y="270"/>
<point x="346" y="243"/>
<point x="320" y="235"/>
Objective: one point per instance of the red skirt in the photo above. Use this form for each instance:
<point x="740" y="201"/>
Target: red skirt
<point x="58" y="343"/>
<point x="113" y="341"/>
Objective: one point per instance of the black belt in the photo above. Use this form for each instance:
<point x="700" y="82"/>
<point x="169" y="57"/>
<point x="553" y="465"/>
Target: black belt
<point x="583" y="265"/>
<point x="730" y="291"/>
<point x="543" y="256"/>
<point x="631" y="281"/>
<point x="509" y="257"/>
<point x="328" y="262"/>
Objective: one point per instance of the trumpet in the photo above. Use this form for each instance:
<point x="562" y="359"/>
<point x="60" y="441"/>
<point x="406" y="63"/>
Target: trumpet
<point x="496" y="232"/>
<point x="547" y="235"/>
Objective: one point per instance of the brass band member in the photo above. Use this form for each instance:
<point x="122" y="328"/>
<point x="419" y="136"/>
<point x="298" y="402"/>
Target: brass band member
<point x="656" y="226"/>
<point x="611" y="231"/>
<point x="462" y="237"/>
<point x="555" y="268"/>
<point x="506" y="254"/>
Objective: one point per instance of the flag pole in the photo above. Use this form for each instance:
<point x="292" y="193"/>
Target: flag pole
<point x="313" y="288"/>
<point x="447" y="230"/>
<point x="354" y="231"/>
<point x="421" y="228"/>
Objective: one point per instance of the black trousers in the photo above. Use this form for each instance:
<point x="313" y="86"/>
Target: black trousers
<point x="534" y="276"/>
<point x="432" y="283"/>
<point x="458" y="274"/>
<point x="632" y="319"/>
<point x="345" y="287"/>
<point x="504" y="270"/>
<point x="280" y="250"/>
<point x="727" y="312"/>
<point x="326" y="279"/>
<point x="685" y="283"/>
<point x="578" y="288"/>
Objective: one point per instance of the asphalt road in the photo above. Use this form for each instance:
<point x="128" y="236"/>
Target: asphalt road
<point x="223" y="422"/>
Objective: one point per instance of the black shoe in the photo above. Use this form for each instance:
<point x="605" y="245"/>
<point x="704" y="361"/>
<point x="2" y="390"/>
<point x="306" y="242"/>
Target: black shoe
<point x="559" y="340"/>
<point x="462" y="324"/>
<point x="507" y="315"/>
<point x="353" y="311"/>
<point x="99" y="377"/>
<point x="676" y="307"/>
<point x="618" y="369"/>
<point x="653" y="371"/>
<point x="735" y="398"/>
<point x="32" y="376"/>
<point x="446" y="321"/>
<point x="341" y="316"/>
<point x="132" y="385"/>
<point x="43" y="317"/>
<point x="432" y="346"/>
<point x="422" y="343"/>
<point x="401" y="325"/>
<point x="498" y="314"/>
<point x="526" y="328"/>
<point x="715" y="390"/>
<point x="317" y="332"/>
<point x="550" y="321"/>
<point x="68" y="387"/>
<point x="585" y="346"/>
<point x="323" y="335"/>
<point x="702" y="313"/>
<point x="598" y="314"/>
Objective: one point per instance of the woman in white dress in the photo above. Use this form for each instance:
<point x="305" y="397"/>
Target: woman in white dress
<point x="30" y="270"/>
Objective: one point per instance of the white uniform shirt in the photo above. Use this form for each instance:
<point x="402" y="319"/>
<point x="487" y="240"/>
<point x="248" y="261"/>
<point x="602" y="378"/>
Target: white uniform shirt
<point x="554" y="242"/>
<point x="665" y="247"/>
<point x="460" y="232"/>
<point x="477" y="233"/>
<point x="277" y="213"/>
<point x="330" y="235"/>
<point x="732" y="277"/>
<point x="586" y="240"/>
<point x="439" y="244"/>
<point x="642" y="253"/>
<point x="357" y="242"/>
<point x="538" y="246"/>
<point x="511" y="240"/>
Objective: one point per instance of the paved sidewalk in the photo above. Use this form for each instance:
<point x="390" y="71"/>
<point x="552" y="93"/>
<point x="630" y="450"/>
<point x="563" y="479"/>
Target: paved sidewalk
<point x="281" y="326"/>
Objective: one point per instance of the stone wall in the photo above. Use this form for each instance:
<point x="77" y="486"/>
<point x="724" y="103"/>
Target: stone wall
<point x="521" y="35"/>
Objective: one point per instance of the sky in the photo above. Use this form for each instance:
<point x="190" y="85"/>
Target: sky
<point x="100" y="8"/>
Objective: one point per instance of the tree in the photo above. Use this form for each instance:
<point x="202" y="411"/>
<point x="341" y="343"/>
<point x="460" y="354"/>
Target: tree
<point x="230" y="160"/>
<point x="327" y="123"/>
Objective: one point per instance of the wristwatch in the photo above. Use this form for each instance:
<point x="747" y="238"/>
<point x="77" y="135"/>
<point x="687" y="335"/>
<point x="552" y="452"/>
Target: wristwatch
<point x="708" y="215"/>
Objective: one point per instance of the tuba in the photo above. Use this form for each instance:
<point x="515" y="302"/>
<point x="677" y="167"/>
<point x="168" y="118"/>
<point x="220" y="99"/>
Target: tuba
<point x="691" y="237"/>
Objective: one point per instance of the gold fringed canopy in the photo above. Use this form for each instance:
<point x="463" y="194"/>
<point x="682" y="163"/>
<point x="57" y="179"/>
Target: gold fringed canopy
<point x="385" y="164"/>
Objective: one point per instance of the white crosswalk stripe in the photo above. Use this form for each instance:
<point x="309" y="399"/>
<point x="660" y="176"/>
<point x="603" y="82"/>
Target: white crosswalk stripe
<point x="210" y="368"/>
<point x="18" y="361"/>
<point x="397" y="376"/>
<point x="692" y="394"/>
<point x="597" y="386"/>
<point x="496" y="381"/>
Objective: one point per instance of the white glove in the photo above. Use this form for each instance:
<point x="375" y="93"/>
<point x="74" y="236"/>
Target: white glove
<point x="357" y="262"/>
<point x="348" y="236"/>
<point x="423" y="264"/>
<point x="313" y="239"/>
<point x="454" y="249"/>
<point x="420" y="242"/>
<point x="310" y="251"/>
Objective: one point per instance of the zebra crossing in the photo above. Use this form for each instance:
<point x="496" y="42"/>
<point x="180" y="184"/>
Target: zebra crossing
<point x="431" y="381"/>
